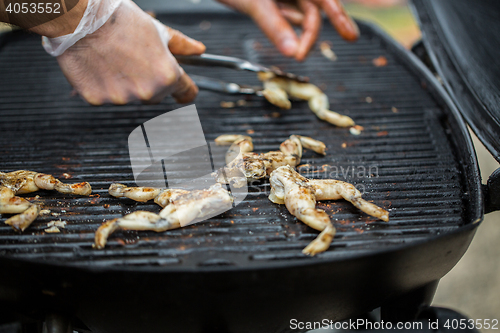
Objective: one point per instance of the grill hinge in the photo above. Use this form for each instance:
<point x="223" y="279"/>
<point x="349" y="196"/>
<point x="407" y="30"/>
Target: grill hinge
<point x="421" y="52"/>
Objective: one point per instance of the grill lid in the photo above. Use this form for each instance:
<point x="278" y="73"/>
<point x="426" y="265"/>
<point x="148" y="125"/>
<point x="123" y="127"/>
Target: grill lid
<point x="462" y="40"/>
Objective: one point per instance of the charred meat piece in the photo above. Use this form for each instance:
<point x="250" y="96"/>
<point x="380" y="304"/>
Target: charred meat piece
<point x="299" y="194"/>
<point x="180" y="208"/>
<point x="277" y="91"/>
<point x="21" y="182"/>
<point x="243" y="165"/>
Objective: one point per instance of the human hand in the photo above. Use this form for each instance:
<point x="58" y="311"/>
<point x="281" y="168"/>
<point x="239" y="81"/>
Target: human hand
<point x="274" y="18"/>
<point x="130" y="58"/>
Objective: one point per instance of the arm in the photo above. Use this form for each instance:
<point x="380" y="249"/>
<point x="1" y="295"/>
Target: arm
<point x="50" y="25"/>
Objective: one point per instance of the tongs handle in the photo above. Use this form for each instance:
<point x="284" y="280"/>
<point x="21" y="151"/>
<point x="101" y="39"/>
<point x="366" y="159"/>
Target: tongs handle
<point x="220" y="61"/>
<point x="208" y="83"/>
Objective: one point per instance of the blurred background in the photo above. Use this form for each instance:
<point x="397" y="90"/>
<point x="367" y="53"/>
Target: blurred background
<point x="473" y="286"/>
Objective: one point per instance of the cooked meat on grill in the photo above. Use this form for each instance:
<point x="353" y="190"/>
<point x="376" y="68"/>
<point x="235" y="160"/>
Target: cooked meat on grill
<point x="320" y="104"/>
<point x="277" y="89"/>
<point x="246" y="166"/>
<point x="327" y="51"/>
<point x="141" y="194"/>
<point x="276" y="95"/>
<point x="239" y="144"/>
<point x="21" y="182"/>
<point x="288" y="187"/>
<point x="181" y="208"/>
<point x="22" y="221"/>
<point x="299" y="194"/>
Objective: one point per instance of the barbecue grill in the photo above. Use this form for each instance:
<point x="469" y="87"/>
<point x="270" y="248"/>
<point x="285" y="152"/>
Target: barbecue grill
<point x="243" y="271"/>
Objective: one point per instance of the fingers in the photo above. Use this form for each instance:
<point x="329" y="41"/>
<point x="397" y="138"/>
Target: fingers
<point x="311" y="26"/>
<point x="345" y="26"/>
<point x="181" y="44"/>
<point x="181" y="88"/>
<point x="268" y="17"/>
<point x="185" y="90"/>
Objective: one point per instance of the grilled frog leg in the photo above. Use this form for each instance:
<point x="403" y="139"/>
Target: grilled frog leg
<point x="141" y="194"/>
<point x="144" y="194"/>
<point x="21" y="182"/>
<point x="276" y="94"/>
<point x="299" y="194"/>
<point x="180" y="209"/>
<point x="239" y="144"/>
<point x="290" y="188"/>
<point x="48" y="182"/>
<point x="277" y="89"/>
<point x="302" y="142"/>
<point x="320" y="105"/>
<point x="10" y="204"/>
<point x="21" y="221"/>
<point x="330" y="189"/>
<point x="250" y="166"/>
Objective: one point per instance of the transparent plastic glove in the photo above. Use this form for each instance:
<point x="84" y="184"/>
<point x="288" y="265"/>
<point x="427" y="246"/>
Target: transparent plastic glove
<point x="129" y="58"/>
<point x="94" y="17"/>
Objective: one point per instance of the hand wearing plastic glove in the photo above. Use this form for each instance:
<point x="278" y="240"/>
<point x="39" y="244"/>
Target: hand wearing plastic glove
<point x="275" y="17"/>
<point x="125" y="55"/>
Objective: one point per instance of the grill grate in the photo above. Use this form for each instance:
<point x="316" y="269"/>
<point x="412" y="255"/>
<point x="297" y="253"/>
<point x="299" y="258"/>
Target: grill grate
<point x="416" y="175"/>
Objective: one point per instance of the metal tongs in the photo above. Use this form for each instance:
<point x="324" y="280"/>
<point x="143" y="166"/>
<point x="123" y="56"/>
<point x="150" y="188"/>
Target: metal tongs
<point x="213" y="60"/>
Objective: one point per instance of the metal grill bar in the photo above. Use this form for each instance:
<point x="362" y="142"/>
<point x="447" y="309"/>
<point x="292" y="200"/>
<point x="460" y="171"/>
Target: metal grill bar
<point x="417" y="177"/>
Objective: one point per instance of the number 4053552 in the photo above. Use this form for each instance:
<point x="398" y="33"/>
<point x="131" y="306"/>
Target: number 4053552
<point x="33" y="8"/>
<point x="486" y="324"/>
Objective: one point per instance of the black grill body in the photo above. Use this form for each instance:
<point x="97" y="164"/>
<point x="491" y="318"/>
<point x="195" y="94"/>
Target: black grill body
<point x="243" y="270"/>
